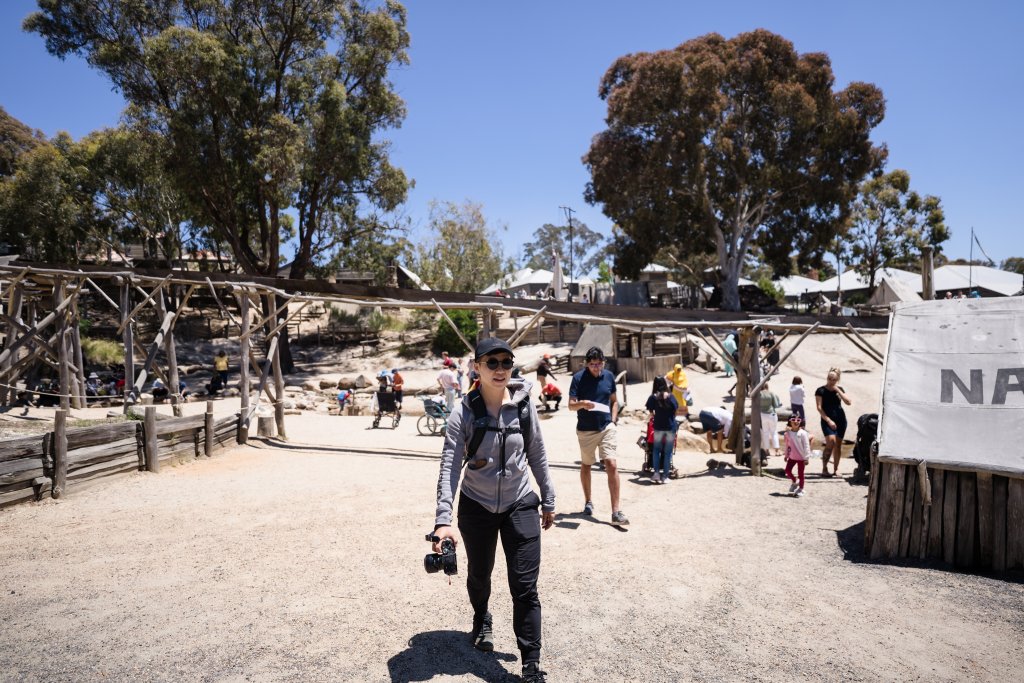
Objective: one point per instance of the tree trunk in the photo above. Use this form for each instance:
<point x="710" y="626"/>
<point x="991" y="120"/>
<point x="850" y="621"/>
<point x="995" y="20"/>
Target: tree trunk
<point x="730" y="285"/>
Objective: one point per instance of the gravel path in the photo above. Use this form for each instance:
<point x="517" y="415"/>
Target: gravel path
<point x="304" y="562"/>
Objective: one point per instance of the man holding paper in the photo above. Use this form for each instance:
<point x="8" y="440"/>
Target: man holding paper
<point x="592" y="395"/>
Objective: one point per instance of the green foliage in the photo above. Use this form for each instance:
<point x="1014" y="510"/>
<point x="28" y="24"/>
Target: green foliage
<point x="765" y="284"/>
<point x="604" y="273"/>
<point x="268" y="110"/>
<point x="343" y="318"/>
<point x="1014" y="264"/>
<point x="102" y="351"/>
<point x="891" y="224"/>
<point x="463" y="254"/>
<point x="718" y="145"/>
<point x="378" y="322"/>
<point x="589" y="248"/>
<point x="15" y="139"/>
<point x="445" y="338"/>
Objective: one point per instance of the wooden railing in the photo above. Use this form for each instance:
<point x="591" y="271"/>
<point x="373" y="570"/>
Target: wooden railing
<point x="35" y="466"/>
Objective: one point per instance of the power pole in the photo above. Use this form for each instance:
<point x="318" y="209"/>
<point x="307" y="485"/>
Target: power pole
<point x="568" y="217"/>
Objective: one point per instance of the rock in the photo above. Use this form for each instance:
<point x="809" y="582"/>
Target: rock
<point x="311" y="386"/>
<point x="292" y="389"/>
<point x="330" y="384"/>
<point x="692" y="442"/>
<point x="361" y="382"/>
<point x="289" y="404"/>
<point x="293" y="412"/>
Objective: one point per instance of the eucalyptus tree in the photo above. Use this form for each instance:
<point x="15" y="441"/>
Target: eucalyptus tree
<point x="269" y="108"/>
<point x="580" y="246"/>
<point x="718" y="145"/>
<point x="463" y="253"/>
<point x="891" y="223"/>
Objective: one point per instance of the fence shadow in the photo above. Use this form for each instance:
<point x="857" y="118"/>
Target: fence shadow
<point x="446" y="653"/>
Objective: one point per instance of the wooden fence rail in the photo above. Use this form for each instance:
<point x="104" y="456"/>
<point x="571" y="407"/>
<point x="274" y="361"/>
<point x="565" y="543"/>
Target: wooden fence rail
<point x="27" y="464"/>
<point x="969" y="519"/>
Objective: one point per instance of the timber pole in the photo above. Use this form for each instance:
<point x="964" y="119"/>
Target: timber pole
<point x="172" y="359"/>
<point x="755" y="407"/>
<point x="59" y="294"/>
<point x="243" y="370"/>
<point x="127" y="338"/>
<point x="276" y="360"/>
<point x="60" y="452"/>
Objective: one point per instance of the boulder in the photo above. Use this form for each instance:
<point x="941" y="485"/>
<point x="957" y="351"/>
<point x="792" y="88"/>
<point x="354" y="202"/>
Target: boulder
<point x="329" y="384"/>
<point x="311" y="385"/>
<point x="692" y="442"/>
<point x="292" y="389"/>
<point x="361" y="382"/>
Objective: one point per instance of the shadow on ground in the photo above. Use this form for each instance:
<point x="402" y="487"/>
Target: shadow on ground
<point x="446" y="653"/>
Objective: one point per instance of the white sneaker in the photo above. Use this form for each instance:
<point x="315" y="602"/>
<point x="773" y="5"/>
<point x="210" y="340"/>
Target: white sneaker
<point x="793" y="489"/>
<point x="656" y="478"/>
<point x="799" y="493"/>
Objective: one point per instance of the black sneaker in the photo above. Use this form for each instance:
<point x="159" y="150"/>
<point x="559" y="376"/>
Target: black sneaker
<point x="588" y="509"/>
<point x="483" y="636"/>
<point x="533" y="674"/>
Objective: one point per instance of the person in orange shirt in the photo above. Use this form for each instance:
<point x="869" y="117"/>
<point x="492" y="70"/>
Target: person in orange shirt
<point x="550" y="393"/>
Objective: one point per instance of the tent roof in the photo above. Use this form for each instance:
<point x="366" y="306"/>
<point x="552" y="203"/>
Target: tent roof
<point x="850" y="280"/>
<point x="795" y="285"/>
<point x="972" y="277"/>
<point x="891" y="290"/>
<point x="529" y="276"/>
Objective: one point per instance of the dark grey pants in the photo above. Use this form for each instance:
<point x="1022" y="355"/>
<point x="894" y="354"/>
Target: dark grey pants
<point x="519" y="528"/>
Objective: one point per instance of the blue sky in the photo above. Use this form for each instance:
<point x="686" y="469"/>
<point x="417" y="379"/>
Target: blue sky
<point x="502" y="97"/>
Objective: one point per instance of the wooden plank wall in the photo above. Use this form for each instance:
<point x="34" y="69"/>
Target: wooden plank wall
<point x="26" y="464"/>
<point x="975" y="520"/>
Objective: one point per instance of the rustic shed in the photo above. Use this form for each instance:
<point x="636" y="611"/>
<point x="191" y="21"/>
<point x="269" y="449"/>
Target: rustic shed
<point x="948" y="479"/>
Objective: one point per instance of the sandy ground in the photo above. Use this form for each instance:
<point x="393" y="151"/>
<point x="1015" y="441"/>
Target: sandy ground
<point x="303" y="561"/>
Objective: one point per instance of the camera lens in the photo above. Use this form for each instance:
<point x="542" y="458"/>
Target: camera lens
<point x="433" y="563"/>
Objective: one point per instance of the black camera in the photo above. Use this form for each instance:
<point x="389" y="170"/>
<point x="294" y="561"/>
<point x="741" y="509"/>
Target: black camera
<point x="435" y="562"/>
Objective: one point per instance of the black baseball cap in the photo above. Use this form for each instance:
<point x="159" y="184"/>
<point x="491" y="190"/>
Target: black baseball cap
<point x="492" y="345"/>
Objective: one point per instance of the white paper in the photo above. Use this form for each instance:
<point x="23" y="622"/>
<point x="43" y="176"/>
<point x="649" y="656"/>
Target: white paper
<point x="600" y="408"/>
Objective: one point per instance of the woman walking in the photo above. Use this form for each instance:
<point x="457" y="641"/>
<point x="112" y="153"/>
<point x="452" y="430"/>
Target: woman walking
<point x="830" y="399"/>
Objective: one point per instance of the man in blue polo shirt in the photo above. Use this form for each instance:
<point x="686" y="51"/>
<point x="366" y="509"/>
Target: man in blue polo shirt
<point x="592" y="395"/>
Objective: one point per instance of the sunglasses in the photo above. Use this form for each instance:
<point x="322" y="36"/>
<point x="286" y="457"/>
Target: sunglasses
<point x="493" y="363"/>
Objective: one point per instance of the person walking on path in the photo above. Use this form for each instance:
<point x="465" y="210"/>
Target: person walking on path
<point x="544" y="371"/>
<point x="497" y="499"/>
<point x="447" y="380"/>
<point x="798" y="452"/>
<point x="830" y="399"/>
<point x="796" y="398"/>
<point x="730" y="347"/>
<point x="769" y="421"/>
<point x="592" y="395"/>
<point x="716" y="421"/>
<point x="662" y="406"/>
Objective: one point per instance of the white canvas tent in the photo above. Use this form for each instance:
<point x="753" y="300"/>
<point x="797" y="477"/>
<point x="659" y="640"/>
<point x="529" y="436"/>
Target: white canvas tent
<point x="953" y="391"/>
<point x="890" y="291"/>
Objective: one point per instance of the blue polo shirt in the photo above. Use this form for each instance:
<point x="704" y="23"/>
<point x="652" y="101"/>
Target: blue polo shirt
<point x="600" y="389"/>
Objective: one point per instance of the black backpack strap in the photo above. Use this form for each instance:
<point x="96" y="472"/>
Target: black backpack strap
<point x="480" y="423"/>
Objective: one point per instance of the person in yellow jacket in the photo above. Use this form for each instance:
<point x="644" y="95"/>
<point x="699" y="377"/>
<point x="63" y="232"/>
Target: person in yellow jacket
<point x="220" y="365"/>
<point x="680" y="387"/>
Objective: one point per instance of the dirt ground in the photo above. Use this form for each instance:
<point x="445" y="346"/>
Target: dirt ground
<point x="302" y="560"/>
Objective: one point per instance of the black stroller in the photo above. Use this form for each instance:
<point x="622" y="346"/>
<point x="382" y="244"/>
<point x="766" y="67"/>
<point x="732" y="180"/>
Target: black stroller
<point x="867" y="433"/>
<point x="386" y="406"/>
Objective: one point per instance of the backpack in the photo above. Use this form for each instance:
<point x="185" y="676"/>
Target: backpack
<point x="481" y="425"/>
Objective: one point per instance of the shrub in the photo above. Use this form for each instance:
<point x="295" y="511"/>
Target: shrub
<point x="102" y="351"/>
<point x="445" y="338"/>
<point x="765" y="284"/>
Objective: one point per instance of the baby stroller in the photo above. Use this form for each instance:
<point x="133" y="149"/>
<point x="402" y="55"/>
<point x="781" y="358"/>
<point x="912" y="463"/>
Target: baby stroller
<point x="646" y="442"/>
<point x="386" y="406"/>
<point x="867" y="432"/>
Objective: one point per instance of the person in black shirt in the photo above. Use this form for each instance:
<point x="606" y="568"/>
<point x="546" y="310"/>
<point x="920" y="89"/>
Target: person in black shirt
<point x="830" y="399"/>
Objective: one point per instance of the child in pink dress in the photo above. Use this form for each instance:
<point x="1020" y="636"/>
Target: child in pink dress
<point x="798" y="451"/>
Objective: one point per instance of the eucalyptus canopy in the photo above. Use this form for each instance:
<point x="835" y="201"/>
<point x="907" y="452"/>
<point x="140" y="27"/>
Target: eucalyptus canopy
<point x="266" y="106"/>
<point x="718" y="145"/>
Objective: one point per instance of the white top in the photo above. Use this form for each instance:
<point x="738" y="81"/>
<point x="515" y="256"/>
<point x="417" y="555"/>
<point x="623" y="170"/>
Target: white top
<point x="796" y="394"/>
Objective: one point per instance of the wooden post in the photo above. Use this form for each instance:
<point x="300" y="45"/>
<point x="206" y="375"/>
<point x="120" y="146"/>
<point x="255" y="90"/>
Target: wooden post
<point x="243" y="367"/>
<point x="172" y="360"/>
<point x="986" y="522"/>
<point x="871" y="513"/>
<point x="1015" y="524"/>
<point x="8" y="396"/>
<point x="59" y="295"/>
<point x="60" y="452"/>
<point x="208" y="430"/>
<point x="755" y="409"/>
<point x="934" y="550"/>
<point x="735" y="435"/>
<point x="927" y="274"/>
<point x="999" y="513"/>
<point x="967" y="518"/>
<point x="950" y="497"/>
<point x="150" y="443"/>
<point x="265" y="426"/>
<point x="127" y="338"/>
<point x="76" y="354"/>
<point x="278" y="375"/>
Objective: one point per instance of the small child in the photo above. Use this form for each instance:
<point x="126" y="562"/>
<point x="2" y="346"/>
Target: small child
<point x="796" y="398"/>
<point x="798" y="451"/>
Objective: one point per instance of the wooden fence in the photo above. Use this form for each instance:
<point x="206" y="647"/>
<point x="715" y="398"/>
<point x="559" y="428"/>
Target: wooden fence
<point x="32" y="467"/>
<point x="969" y="519"/>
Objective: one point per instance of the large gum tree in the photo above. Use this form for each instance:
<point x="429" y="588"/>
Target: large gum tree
<point x="721" y="145"/>
<point x="272" y="110"/>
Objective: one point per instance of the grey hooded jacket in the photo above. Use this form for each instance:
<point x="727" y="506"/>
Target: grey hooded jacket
<point x="492" y="487"/>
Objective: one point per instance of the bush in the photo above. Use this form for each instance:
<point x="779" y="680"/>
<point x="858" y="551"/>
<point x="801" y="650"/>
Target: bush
<point x="102" y="351"/>
<point x="445" y="338"/>
<point x="765" y="284"/>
